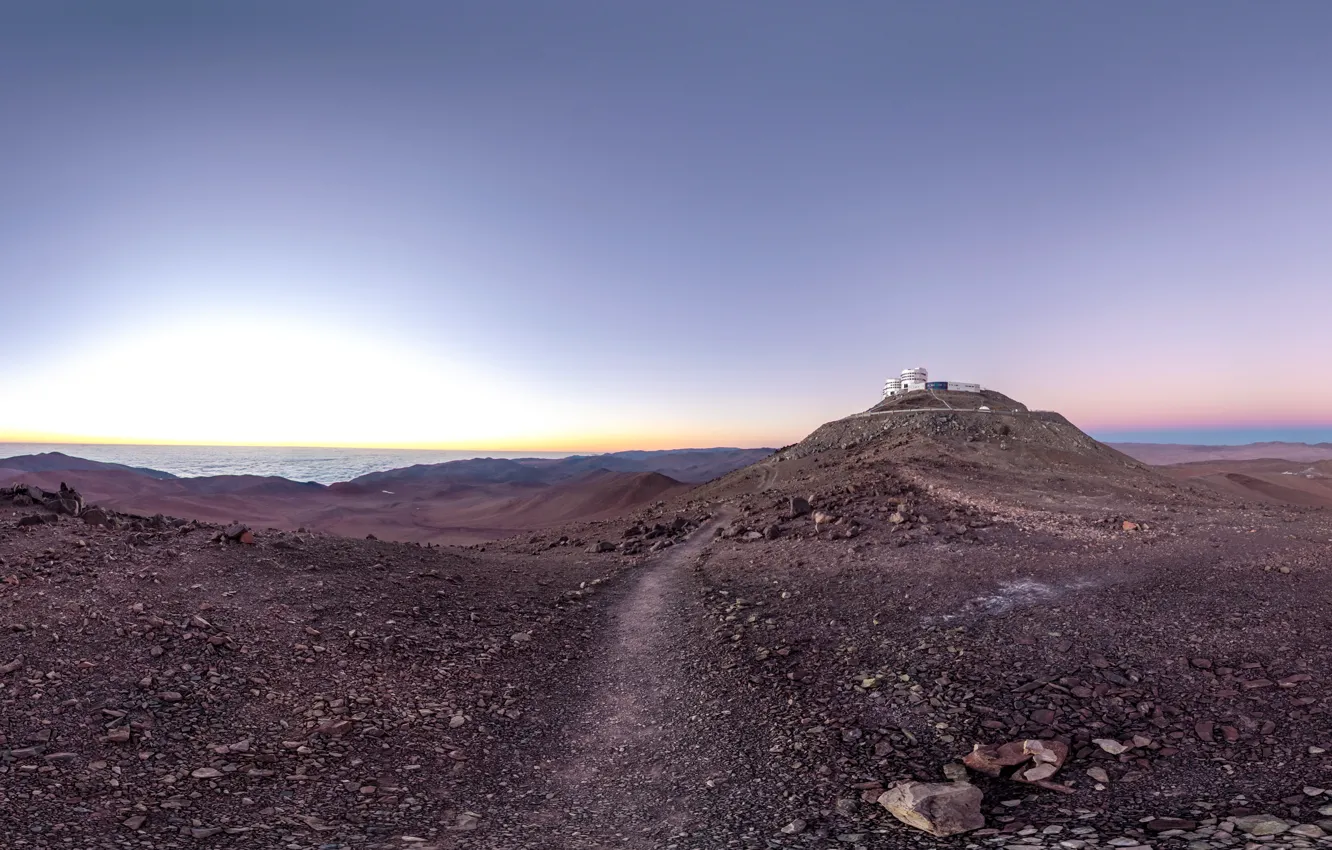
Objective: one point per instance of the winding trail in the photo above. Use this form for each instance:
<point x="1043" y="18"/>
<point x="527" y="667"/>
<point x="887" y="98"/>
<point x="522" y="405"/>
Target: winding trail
<point x="642" y="754"/>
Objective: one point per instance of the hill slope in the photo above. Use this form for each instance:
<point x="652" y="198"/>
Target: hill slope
<point x="464" y="501"/>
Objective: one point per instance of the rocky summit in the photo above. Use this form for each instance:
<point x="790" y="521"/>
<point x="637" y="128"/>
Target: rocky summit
<point x="918" y="627"/>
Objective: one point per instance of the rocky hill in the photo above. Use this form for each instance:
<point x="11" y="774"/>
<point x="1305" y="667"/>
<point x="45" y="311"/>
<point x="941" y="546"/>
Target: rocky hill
<point x="1034" y="465"/>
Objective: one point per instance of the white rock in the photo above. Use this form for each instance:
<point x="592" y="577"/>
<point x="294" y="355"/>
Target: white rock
<point x="795" y="827"/>
<point x="941" y="809"/>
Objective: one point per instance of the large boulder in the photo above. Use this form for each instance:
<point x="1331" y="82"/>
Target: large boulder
<point x="1259" y="825"/>
<point x="799" y="506"/>
<point x="939" y="808"/>
<point x="67" y="501"/>
<point x="95" y="516"/>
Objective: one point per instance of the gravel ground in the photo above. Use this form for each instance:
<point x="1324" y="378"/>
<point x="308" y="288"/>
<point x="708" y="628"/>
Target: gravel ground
<point x="736" y="677"/>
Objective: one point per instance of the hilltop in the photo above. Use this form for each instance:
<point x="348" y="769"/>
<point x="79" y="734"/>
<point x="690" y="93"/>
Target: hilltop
<point x="1008" y="459"/>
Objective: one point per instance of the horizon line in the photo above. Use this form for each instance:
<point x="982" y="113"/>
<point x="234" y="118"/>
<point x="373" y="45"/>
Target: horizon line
<point x="380" y="446"/>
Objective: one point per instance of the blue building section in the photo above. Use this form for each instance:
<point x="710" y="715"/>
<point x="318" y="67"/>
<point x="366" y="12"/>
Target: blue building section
<point x="937" y="385"/>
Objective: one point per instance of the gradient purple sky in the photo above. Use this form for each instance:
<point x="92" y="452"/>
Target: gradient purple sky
<point x="583" y="225"/>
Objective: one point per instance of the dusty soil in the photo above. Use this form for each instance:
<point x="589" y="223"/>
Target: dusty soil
<point x="1280" y="482"/>
<point x="755" y="683"/>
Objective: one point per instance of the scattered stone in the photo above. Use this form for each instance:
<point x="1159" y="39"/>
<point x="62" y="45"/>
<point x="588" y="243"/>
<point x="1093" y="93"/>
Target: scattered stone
<point x="955" y="772"/>
<point x="799" y="506"/>
<point x="1034" y="761"/>
<point x="795" y="827"/>
<point x="467" y="822"/>
<point x="1111" y="746"/>
<point x="1259" y="825"/>
<point x="941" y="809"/>
<point x="1166" y="824"/>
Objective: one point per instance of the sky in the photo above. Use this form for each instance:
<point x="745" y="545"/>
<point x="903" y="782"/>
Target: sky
<point x="590" y="225"/>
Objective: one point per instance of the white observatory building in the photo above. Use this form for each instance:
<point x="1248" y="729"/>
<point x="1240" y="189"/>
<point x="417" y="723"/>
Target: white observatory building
<point x="909" y="381"/>
<point x="913" y="380"/>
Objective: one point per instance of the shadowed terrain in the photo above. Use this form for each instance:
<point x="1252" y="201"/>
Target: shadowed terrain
<point x="460" y="502"/>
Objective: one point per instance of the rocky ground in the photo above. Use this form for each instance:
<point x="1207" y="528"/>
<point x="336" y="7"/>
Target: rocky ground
<point x="751" y="665"/>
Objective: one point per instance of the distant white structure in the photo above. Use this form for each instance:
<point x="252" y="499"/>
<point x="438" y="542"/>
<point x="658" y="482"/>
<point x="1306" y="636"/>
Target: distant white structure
<point x="911" y="380"/>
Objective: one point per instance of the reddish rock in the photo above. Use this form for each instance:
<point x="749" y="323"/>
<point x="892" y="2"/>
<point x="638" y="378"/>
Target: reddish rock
<point x="1204" y="729"/>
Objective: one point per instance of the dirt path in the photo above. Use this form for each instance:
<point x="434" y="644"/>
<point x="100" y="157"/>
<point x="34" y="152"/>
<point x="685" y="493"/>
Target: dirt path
<point x="641" y="751"/>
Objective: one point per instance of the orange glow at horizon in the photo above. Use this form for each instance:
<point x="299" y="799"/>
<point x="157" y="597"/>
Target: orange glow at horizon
<point x="232" y="380"/>
<point x="556" y="445"/>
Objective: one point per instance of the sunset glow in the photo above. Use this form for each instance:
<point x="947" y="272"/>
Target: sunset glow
<point x="362" y="229"/>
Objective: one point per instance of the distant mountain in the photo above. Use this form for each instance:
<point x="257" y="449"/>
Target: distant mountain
<point x="60" y="462"/>
<point x="481" y="470"/>
<point x="463" y="501"/>
<point x="684" y="465"/>
<point x="1164" y="454"/>
<point x="692" y="466"/>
